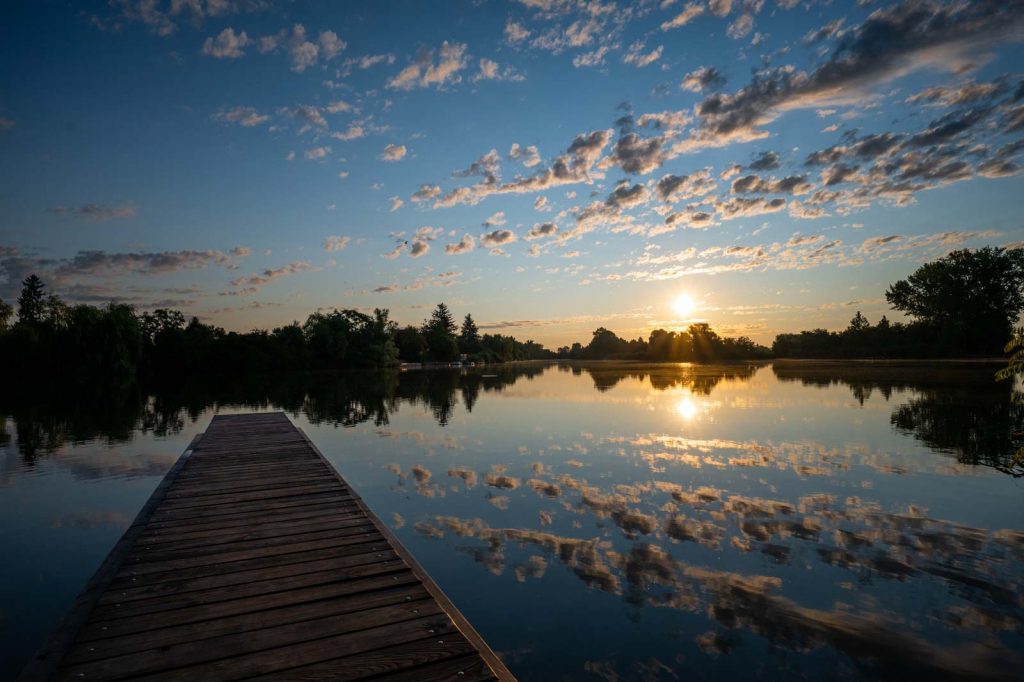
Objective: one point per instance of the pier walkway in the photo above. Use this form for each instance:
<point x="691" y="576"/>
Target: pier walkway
<point x="254" y="559"/>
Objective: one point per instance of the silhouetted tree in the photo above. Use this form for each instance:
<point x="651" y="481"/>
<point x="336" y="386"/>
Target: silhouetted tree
<point x="412" y="346"/>
<point x="6" y="312"/>
<point x="972" y="297"/>
<point x="31" y="302"/>
<point x="605" y="344"/>
<point x="439" y="332"/>
<point x="469" y="336"/>
<point x="859" y="323"/>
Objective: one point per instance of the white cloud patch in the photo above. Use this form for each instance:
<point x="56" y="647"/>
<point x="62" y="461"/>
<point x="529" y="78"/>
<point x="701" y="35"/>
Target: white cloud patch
<point x="691" y="11"/>
<point x="464" y="245"/>
<point x="227" y="44"/>
<point x="394" y="152"/>
<point x="317" y="153"/>
<point x="638" y="58"/>
<point x="425" y="72"/>
<point x="497" y="238"/>
<point x="247" y="117"/>
<point x="336" y="243"/>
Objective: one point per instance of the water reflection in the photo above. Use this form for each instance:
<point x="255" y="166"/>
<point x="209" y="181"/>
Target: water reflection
<point x="954" y="410"/>
<point x="617" y="521"/>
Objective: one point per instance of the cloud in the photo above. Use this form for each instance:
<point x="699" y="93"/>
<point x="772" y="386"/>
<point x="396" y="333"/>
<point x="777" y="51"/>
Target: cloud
<point x="541" y="204"/>
<point x="673" y="188"/>
<point x="741" y="28"/>
<point x="338" y="107"/>
<point x="832" y="29"/>
<point x="307" y="113"/>
<point x="491" y="70"/>
<point x="803" y="239"/>
<point x="5" y="124"/>
<point x="573" y="167"/>
<point x="541" y="230"/>
<point x="528" y="156"/>
<point x="247" y="117"/>
<point x="426" y="193"/>
<point x="65" y="271"/>
<point x="515" y="32"/>
<point x="637" y="58"/>
<point x="353" y="132"/>
<point x="396" y="203"/>
<point x="96" y="213"/>
<point x="592" y="58"/>
<point x="317" y="153"/>
<point x="496" y="219"/>
<point x="891" y="42"/>
<point x="336" y="243"/>
<point x="765" y="161"/>
<point x="227" y="44"/>
<point x="330" y="45"/>
<point x="393" y="152"/>
<point x="704" y="78"/>
<point x="269" y="275"/>
<point x="625" y="196"/>
<point x="964" y="93"/>
<point x="302" y="51"/>
<point x="419" y="248"/>
<point x="464" y="245"/>
<point x="720" y="8"/>
<point x="741" y="207"/>
<point x="635" y="154"/>
<point x="689" y="13"/>
<point x="425" y="72"/>
<point x="162" y="22"/>
<point x="793" y="184"/>
<point x="497" y="238"/>
<point x="692" y="219"/>
<point x="488" y="166"/>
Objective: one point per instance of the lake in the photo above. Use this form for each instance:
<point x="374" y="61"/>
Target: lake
<point x="604" y="521"/>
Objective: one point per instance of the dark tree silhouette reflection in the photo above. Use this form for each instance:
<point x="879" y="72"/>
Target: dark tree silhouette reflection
<point x="956" y="410"/>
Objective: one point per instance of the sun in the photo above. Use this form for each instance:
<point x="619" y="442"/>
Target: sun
<point x="684" y="305"/>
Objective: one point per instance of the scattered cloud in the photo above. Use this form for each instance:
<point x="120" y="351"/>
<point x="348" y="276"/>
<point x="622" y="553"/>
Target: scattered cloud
<point x="394" y="152"/>
<point x="425" y="72"/>
<point x="96" y="213"/>
<point x="464" y="245"/>
<point x="247" y="117"/>
<point x="227" y="44"/>
<point x="336" y="243"/>
<point x="269" y="275"/>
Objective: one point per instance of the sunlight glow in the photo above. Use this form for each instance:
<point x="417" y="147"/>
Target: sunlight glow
<point x="684" y="305"/>
<point x="687" y="408"/>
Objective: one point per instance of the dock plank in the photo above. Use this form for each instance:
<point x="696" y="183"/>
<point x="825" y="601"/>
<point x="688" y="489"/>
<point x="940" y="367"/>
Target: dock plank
<point x="254" y="559"/>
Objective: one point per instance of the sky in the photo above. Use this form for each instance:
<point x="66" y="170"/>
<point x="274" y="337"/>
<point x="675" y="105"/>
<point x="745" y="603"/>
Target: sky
<point x="550" y="166"/>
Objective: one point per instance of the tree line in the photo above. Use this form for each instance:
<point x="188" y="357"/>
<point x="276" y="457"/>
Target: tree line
<point x="698" y="343"/>
<point x="82" y="341"/>
<point x="964" y="304"/>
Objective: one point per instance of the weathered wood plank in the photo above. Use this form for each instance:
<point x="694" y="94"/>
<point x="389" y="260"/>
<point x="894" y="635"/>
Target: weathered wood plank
<point x="254" y="558"/>
<point x="221" y="580"/>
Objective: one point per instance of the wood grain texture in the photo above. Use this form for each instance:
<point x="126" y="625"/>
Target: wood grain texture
<point x="254" y="559"/>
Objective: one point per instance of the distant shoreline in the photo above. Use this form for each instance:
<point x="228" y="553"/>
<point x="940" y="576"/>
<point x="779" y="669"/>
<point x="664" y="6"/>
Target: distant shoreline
<point x="899" y="361"/>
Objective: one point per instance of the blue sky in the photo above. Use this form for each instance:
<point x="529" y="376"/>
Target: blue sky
<point x="548" y="165"/>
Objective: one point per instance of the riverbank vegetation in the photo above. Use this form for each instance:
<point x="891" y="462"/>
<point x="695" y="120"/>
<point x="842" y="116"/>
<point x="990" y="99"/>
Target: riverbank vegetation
<point x="964" y="304"/>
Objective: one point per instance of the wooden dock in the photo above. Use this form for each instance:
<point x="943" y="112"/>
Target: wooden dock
<point x="254" y="559"/>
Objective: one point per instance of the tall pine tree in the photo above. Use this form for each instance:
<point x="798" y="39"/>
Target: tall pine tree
<point x="31" y="302"/>
<point x="440" y="331"/>
<point x="469" y="336"/>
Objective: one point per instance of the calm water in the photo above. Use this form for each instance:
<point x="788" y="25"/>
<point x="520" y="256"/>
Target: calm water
<point x="606" y="522"/>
